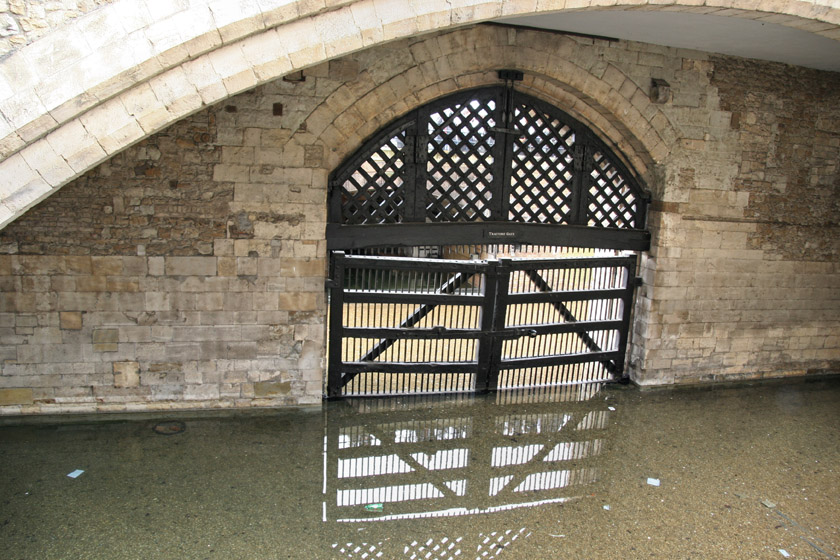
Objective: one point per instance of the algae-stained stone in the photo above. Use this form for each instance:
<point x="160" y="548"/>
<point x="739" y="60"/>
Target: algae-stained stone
<point x="272" y="388"/>
<point x="126" y="374"/>
<point x="15" y="396"/>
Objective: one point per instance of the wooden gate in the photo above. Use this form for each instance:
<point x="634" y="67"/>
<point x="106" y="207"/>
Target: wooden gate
<point x="412" y="326"/>
<point x="492" y="165"/>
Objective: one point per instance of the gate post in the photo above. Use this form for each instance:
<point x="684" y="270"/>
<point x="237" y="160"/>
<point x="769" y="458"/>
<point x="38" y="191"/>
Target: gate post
<point x="485" y="339"/>
<point x="500" y="299"/>
<point x="627" y="301"/>
<point x="336" y="329"/>
<point x="496" y="285"/>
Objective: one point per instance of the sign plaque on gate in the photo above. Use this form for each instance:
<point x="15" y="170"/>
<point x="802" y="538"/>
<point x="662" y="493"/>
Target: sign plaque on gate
<point x="501" y="234"/>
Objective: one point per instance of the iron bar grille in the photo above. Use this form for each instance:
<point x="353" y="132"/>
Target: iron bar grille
<point x="474" y="319"/>
<point x="463" y="159"/>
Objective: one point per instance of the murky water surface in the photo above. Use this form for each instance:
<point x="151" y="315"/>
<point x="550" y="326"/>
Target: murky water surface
<point x="748" y="472"/>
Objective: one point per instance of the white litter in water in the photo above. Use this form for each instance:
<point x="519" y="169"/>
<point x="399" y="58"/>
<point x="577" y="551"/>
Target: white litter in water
<point x="607" y="508"/>
<point x="611" y="408"/>
<point x="76" y="473"/>
<point x="653" y="481"/>
<point x="784" y="553"/>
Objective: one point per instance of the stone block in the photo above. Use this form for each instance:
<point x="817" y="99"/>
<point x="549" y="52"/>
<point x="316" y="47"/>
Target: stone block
<point x="126" y="374"/>
<point x="205" y="392"/>
<point x="205" y="79"/>
<point x="301" y="301"/>
<point x="298" y="268"/>
<point x="107" y="266"/>
<point x="106" y="340"/>
<point x="156" y="266"/>
<point x="264" y="389"/>
<point x="233" y="173"/>
<point x="71" y="320"/>
<point x="16" y="397"/>
<point x="311" y="355"/>
<point x="344" y="69"/>
<point x="142" y="104"/>
<point x="112" y="126"/>
<point x="77" y="146"/>
<point x="191" y="266"/>
<point x="91" y="283"/>
<point x="52" y="167"/>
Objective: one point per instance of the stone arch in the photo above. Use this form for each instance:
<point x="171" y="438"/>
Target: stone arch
<point x="606" y="99"/>
<point x="91" y="88"/>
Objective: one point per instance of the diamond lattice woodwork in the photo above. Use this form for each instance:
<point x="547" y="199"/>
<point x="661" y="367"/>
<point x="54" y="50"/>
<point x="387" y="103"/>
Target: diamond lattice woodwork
<point x="491" y="155"/>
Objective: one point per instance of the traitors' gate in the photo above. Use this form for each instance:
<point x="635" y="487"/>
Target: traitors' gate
<point x="439" y="230"/>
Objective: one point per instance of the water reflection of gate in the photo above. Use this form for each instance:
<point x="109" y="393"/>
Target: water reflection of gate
<point x="427" y="461"/>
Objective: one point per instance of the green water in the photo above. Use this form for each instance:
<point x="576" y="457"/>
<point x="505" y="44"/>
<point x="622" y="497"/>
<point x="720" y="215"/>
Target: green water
<point x="743" y="473"/>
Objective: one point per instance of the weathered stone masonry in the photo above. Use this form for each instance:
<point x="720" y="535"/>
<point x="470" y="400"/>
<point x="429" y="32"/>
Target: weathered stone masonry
<point x="188" y="270"/>
<point x="141" y="283"/>
<point x="743" y="277"/>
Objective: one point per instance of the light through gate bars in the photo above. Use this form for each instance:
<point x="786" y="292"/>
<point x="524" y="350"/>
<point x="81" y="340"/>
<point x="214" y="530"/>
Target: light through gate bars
<point x="411" y="326"/>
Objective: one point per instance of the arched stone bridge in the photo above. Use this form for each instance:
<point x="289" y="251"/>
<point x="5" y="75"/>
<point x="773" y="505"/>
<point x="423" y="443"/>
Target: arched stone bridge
<point x="96" y="85"/>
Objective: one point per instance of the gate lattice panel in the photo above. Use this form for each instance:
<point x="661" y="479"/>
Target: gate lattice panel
<point x="482" y="158"/>
<point x="413" y="326"/>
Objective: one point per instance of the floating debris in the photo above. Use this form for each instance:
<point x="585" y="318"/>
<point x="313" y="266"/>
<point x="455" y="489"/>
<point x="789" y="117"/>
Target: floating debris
<point x="653" y="481"/>
<point x="607" y="507"/>
<point x="767" y="503"/>
<point x="784" y="553"/>
<point x="75" y="474"/>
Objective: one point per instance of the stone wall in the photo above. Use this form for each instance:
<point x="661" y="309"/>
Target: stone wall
<point x="188" y="270"/>
<point x="744" y="278"/>
<point x="146" y="285"/>
<point x="23" y="21"/>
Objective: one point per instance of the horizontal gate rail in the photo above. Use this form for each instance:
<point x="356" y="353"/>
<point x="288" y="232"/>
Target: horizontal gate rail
<point x="403" y="367"/>
<point x="406" y="263"/>
<point x="578" y="327"/>
<point x="583" y="262"/>
<point x="572" y="295"/>
<point x="544" y="361"/>
<point x="406" y="297"/>
<point x="350" y="237"/>
<point x="426" y="334"/>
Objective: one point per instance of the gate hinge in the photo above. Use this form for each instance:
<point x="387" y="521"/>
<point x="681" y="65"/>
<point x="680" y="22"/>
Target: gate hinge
<point x="332" y="185"/>
<point x="331" y="283"/>
<point x="638" y="281"/>
<point x="512" y="75"/>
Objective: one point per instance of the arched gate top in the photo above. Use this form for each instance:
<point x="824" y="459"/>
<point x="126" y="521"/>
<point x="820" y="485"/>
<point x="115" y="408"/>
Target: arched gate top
<point x="486" y="165"/>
